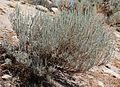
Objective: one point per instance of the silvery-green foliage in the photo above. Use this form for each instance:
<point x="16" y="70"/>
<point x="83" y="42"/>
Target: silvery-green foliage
<point x="8" y="61"/>
<point x="7" y="45"/>
<point x="74" y="40"/>
<point x="115" y="18"/>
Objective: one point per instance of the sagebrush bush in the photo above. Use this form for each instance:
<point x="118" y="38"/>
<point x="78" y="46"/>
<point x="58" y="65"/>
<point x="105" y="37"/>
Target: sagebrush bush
<point x="73" y="41"/>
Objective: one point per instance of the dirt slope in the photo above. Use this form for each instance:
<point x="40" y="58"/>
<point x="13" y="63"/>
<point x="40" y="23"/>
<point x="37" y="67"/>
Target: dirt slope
<point x="99" y="76"/>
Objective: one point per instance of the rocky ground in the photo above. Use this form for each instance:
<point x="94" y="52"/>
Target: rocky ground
<point x="107" y="75"/>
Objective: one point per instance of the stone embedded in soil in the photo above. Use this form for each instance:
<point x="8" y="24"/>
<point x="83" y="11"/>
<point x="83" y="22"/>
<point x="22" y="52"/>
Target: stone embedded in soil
<point x="118" y="29"/>
<point x="55" y="10"/>
<point x="7" y="85"/>
<point x="6" y="77"/>
<point x="100" y="84"/>
<point x="11" y="5"/>
<point x="42" y="8"/>
<point x="1" y="7"/>
<point x="109" y="71"/>
<point x="1" y="85"/>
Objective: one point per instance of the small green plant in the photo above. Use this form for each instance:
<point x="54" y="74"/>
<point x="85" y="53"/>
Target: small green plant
<point x="73" y="41"/>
